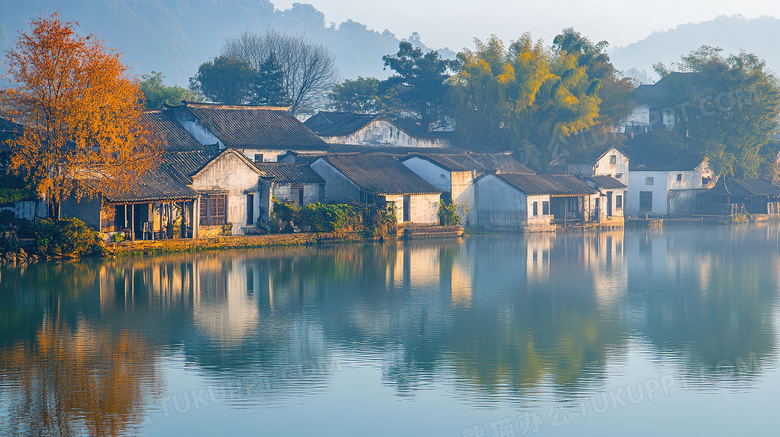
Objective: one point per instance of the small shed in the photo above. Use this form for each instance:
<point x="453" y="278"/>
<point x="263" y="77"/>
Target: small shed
<point x="737" y="196"/>
<point x="532" y="203"/>
<point x="606" y="206"/>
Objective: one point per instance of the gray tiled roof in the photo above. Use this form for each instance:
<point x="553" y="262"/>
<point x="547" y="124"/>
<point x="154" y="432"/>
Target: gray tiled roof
<point x="606" y="182"/>
<point x="379" y="173"/>
<point x="188" y="162"/>
<point x="733" y="187"/>
<point x="289" y="173"/>
<point x="555" y="185"/>
<point x="164" y="183"/>
<point x="249" y="127"/>
<point x="329" y="124"/>
<point x="173" y="135"/>
<point x="480" y="162"/>
<point x="684" y="162"/>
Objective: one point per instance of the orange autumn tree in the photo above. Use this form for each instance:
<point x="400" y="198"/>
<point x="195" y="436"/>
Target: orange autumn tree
<point x="82" y="115"/>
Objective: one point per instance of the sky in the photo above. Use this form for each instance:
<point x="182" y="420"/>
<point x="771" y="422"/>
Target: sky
<point x="455" y="23"/>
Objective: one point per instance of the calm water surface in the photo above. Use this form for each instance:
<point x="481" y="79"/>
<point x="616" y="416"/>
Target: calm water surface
<point x="616" y="333"/>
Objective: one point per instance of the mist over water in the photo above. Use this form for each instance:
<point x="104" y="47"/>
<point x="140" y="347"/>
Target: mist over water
<point x="612" y="333"/>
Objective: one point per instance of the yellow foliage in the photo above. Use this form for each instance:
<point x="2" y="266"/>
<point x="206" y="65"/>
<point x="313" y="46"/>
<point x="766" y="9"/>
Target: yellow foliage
<point x="82" y="114"/>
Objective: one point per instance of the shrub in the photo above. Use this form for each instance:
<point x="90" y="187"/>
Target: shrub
<point x="325" y="217"/>
<point x="67" y="237"/>
<point x="448" y="213"/>
<point x="284" y="214"/>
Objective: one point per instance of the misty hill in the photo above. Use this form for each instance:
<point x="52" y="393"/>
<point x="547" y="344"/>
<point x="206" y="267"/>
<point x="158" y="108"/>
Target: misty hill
<point x="732" y="34"/>
<point x="176" y="36"/>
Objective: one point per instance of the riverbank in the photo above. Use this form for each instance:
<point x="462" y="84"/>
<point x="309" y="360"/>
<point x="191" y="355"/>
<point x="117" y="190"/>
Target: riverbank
<point x="241" y="242"/>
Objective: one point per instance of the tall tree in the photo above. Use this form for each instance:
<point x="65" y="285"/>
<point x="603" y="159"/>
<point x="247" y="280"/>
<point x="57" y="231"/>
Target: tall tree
<point x="363" y="96"/>
<point x="420" y="83"/>
<point x="82" y="114"/>
<point x="525" y="97"/>
<point x="225" y="80"/>
<point x="725" y="108"/>
<point x="156" y="93"/>
<point x="615" y="91"/>
<point x="309" y="68"/>
<point x="268" y="88"/>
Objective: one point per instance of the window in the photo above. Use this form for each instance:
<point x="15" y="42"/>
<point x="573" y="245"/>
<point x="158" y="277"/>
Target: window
<point x="618" y="201"/>
<point x="545" y="207"/>
<point x="645" y="200"/>
<point x="258" y="157"/>
<point x="612" y="159"/>
<point x="536" y="208"/>
<point x="649" y="181"/>
<point x="679" y="177"/>
<point x="250" y="209"/>
<point x="212" y="210"/>
<point x="618" y="175"/>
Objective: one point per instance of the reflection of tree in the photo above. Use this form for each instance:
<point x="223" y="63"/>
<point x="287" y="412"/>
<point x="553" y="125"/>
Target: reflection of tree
<point x="77" y="381"/>
<point x="707" y="300"/>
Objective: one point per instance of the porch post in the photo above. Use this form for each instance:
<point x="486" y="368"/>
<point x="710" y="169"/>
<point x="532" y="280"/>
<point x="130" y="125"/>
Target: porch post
<point x="132" y="222"/>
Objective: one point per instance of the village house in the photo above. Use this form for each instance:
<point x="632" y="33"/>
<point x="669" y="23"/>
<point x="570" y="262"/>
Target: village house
<point x="379" y="177"/>
<point x="609" y="161"/>
<point x="454" y="174"/>
<point x="531" y="203"/>
<point x="262" y="133"/>
<point x="232" y="196"/>
<point x="297" y="184"/>
<point x="607" y="204"/>
<point x="373" y="130"/>
<point x="162" y="204"/>
<point x="657" y="189"/>
<point x="732" y="196"/>
<point x="607" y="171"/>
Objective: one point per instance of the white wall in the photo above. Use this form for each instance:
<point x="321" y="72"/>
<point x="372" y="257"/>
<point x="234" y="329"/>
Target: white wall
<point x="27" y="209"/>
<point x="638" y="182"/>
<point x="384" y="133"/>
<point x="423" y="208"/>
<point x="338" y="188"/>
<point x="230" y="173"/>
<point x="459" y="184"/>
<point x="201" y="133"/>
<point x="618" y="170"/>
<point x="499" y="205"/>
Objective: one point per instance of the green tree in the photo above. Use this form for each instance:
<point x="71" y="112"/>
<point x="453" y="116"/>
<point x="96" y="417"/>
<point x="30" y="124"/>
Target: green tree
<point x="156" y="93"/>
<point x="362" y="96"/>
<point x="420" y="83"/>
<point x="615" y="91"/>
<point x="526" y="97"/>
<point x="268" y="88"/>
<point x="225" y="80"/>
<point x="725" y="108"/>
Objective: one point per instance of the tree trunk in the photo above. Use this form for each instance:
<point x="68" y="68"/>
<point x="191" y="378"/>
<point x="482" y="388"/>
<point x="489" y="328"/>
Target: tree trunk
<point x="55" y="210"/>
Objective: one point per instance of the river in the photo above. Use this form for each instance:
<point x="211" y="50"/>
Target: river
<point x="641" y="333"/>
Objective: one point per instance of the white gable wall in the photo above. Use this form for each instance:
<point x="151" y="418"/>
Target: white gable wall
<point x="382" y="133"/>
<point x="500" y="205"/>
<point x="230" y="174"/>
<point x="338" y="188"/>
<point x="638" y="182"/>
<point x="618" y="169"/>
<point x="459" y="184"/>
